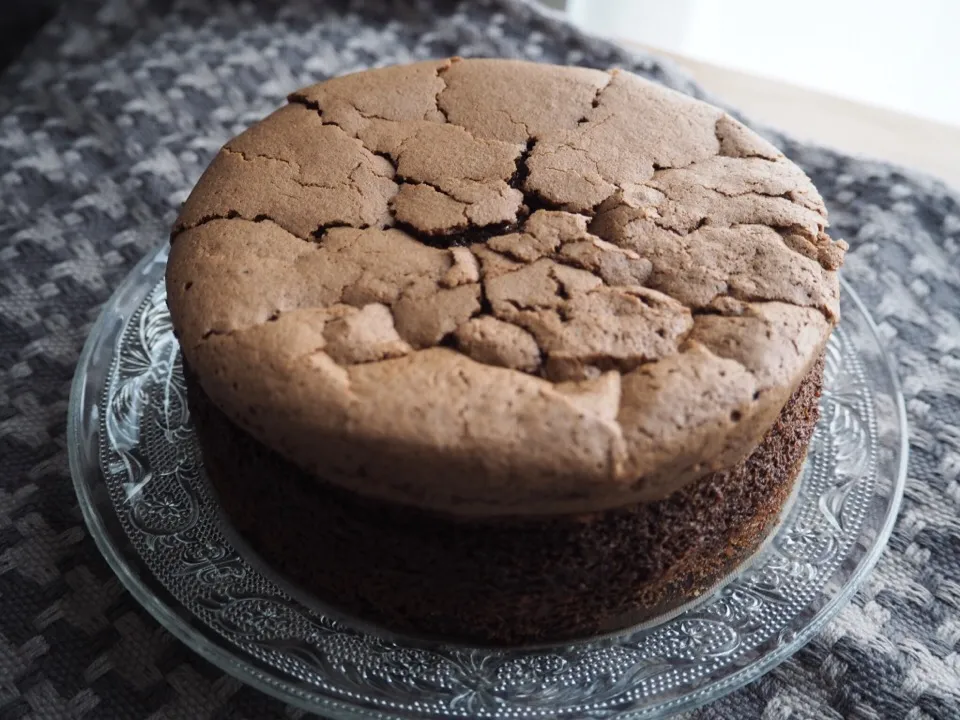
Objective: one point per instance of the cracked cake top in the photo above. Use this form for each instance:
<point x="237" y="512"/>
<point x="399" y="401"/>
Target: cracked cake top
<point x="497" y="287"/>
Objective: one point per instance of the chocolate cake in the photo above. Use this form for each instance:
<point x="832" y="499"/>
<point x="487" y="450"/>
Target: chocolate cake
<point x="502" y="352"/>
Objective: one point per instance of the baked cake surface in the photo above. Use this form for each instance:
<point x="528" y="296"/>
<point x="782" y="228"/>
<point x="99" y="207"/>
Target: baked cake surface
<point x="495" y="288"/>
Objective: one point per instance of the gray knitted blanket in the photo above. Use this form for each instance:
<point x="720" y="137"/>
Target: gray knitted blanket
<point x="105" y="124"/>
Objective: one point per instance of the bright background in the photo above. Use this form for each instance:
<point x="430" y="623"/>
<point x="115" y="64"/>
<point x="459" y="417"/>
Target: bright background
<point x="903" y="56"/>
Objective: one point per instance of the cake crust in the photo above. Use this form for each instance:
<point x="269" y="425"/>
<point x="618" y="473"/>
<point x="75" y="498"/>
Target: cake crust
<point x="495" y="288"/>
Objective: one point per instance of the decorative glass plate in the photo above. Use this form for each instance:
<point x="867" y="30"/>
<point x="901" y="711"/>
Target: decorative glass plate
<point x="140" y="482"/>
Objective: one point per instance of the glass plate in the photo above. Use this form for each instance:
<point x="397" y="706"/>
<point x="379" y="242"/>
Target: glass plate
<point x="140" y="482"/>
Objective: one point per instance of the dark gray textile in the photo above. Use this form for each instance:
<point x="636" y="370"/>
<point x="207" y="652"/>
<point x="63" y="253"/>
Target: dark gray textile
<point x="108" y="119"/>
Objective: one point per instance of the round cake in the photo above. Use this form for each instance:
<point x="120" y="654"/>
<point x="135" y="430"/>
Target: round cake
<point x="502" y="352"/>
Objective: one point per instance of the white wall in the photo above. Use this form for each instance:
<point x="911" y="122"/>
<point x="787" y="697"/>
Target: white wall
<point x="901" y="55"/>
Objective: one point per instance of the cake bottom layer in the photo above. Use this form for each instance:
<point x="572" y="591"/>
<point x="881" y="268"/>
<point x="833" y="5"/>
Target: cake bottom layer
<point x="511" y="580"/>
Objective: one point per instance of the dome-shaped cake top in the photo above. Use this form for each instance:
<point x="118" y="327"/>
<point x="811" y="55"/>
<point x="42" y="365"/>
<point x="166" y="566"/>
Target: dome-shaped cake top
<point x="491" y="286"/>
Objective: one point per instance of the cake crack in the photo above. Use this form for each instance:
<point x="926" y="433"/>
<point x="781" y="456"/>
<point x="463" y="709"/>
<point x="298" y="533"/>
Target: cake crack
<point x="179" y="230"/>
<point x="595" y="103"/>
<point x="532" y="200"/>
<point x="249" y="157"/>
<point x="441" y="71"/>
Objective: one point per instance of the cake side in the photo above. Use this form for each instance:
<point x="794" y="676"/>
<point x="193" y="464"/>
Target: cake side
<point x="498" y="288"/>
<point x="503" y="580"/>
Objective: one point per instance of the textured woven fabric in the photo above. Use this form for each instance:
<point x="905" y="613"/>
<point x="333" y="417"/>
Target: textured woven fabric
<point x="108" y="119"/>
